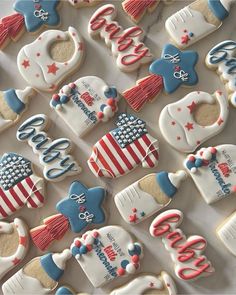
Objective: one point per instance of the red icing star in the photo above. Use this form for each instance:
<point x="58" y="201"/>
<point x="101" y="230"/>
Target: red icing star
<point x="173" y="123"/>
<point x="189" y="126"/>
<point x="220" y="121"/>
<point x="178" y="137"/>
<point x="179" y="109"/>
<point x="80" y="46"/>
<point x="133" y="218"/>
<point x="52" y="69"/>
<point x="25" y="63"/>
<point x="23" y="241"/>
<point x="219" y="92"/>
<point x="192" y="107"/>
<point x="16" y="261"/>
<point x="185" y="39"/>
<point x="151" y="285"/>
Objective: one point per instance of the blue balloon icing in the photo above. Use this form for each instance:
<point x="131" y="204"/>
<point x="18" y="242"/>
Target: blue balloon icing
<point x="218" y="9"/>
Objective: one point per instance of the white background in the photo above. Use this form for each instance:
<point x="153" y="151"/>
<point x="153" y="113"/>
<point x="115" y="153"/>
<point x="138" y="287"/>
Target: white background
<point x="199" y="218"/>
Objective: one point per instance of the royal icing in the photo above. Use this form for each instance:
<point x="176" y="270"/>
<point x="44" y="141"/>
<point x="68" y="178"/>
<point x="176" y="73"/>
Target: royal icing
<point x="125" y="45"/>
<point x="37" y="66"/>
<point x="222" y="59"/>
<point x="186" y="253"/>
<point x="13" y="103"/>
<point x="83" y="3"/>
<point x="124" y="148"/>
<point x="19" y="185"/>
<point x="10" y="262"/>
<point x="54" y="155"/>
<point x="179" y="127"/>
<point x="85" y="103"/>
<point x="213" y="170"/>
<point x="67" y="291"/>
<point x="106" y="254"/>
<point x="189" y="25"/>
<point x="147" y="282"/>
<point x="148" y="195"/>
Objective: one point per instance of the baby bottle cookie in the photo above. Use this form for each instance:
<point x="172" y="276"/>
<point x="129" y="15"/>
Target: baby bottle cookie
<point x="195" y="118"/>
<point x="85" y="103"/>
<point x="39" y="276"/>
<point x="107" y="253"/>
<point x="47" y="61"/>
<point x="19" y="185"/>
<point x="13" y="102"/>
<point x="213" y="170"/>
<point x="14" y="240"/>
<point x="124" y="148"/>
<point x="148" y="195"/>
<point x="197" y="20"/>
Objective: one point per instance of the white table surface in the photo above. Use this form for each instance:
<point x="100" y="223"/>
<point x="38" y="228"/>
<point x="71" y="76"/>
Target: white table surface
<point x="199" y="218"/>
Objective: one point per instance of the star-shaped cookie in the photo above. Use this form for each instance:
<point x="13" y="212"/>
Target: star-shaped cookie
<point x="176" y="67"/>
<point x="83" y="206"/>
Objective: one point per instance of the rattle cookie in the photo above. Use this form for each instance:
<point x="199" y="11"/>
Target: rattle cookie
<point x="186" y="253"/>
<point x="174" y="69"/>
<point x="54" y="55"/>
<point x="39" y="276"/>
<point x="106" y="254"/>
<point x="123" y="149"/>
<point x="54" y="155"/>
<point x="81" y="209"/>
<point x="213" y="170"/>
<point x="125" y="45"/>
<point x="221" y="58"/>
<point x="195" y="118"/>
<point x="30" y="16"/>
<point x="19" y="185"/>
<point x="156" y="284"/>
<point x="14" y="240"/>
<point x="85" y="103"/>
<point x="148" y="195"/>
<point x="197" y="20"/>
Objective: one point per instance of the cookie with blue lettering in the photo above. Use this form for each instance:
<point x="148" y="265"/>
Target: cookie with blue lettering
<point x="82" y="208"/>
<point x="222" y="59"/>
<point x="106" y="254"/>
<point x="213" y="170"/>
<point x="85" y="103"/>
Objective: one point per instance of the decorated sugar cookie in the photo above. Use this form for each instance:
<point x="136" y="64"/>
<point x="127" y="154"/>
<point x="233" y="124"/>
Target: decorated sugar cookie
<point x="124" y="148"/>
<point x="213" y="170"/>
<point x="13" y="102"/>
<point x="106" y="254"/>
<point x="44" y="68"/>
<point x="222" y="59"/>
<point x="185" y="127"/>
<point x="148" y="195"/>
<point x="83" y="3"/>
<point x="19" y="185"/>
<point x="14" y="242"/>
<point x="31" y="16"/>
<point x="126" y="45"/>
<point x="54" y="155"/>
<point x="85" y="103"/>
<point x="82" y="209"/>
<point x="64" y="290"/>
<point x="39" y="276"/>
<point x="197" y="20"/>
<point x="161" y="284"/>
<point x="186" y="253"/>
<point x="174" y="69"/>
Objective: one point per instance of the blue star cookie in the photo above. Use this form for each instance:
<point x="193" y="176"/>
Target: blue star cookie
<point x="176" y="67"/>
<point x="83" y="206"/>
<point x="37" y="14"/>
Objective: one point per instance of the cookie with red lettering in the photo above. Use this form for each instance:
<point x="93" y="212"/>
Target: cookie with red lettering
<point x="85" y="103"/>
<point x="14" y="240"/>
<point x="213" y="170"/>
<point x="84" y="3"/>
<point x="106" y="254"/>
<point x="186" y="253"/>
<point x="126" y="45"/>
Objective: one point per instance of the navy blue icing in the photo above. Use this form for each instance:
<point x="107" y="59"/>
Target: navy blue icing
<point x="50" y="267"/>
<point x="64" y="291"/>
<point x="13" y="101"/>
<point x="111" y="92"/>
<point x="218" y="9"/>
<point x="166" y="186"/>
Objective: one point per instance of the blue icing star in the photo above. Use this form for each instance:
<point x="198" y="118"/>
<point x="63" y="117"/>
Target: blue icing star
<point x="38" y="13"/>
<point x="176" y="67"/>
<point x="83" y="206"/>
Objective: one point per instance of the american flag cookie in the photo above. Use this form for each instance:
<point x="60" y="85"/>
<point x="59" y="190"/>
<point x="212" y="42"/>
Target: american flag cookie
<point x="84" y="3"/>
<point x="85" y="103"/>
<point x="123" y="149"/>
<point x="14" y="241"/>
<point x="148" y="195"/>
<point x="19" y="185"/>
<point x="107" y="253"/>
<point x="54" y="155"/>
<point x="213" y="170"/>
